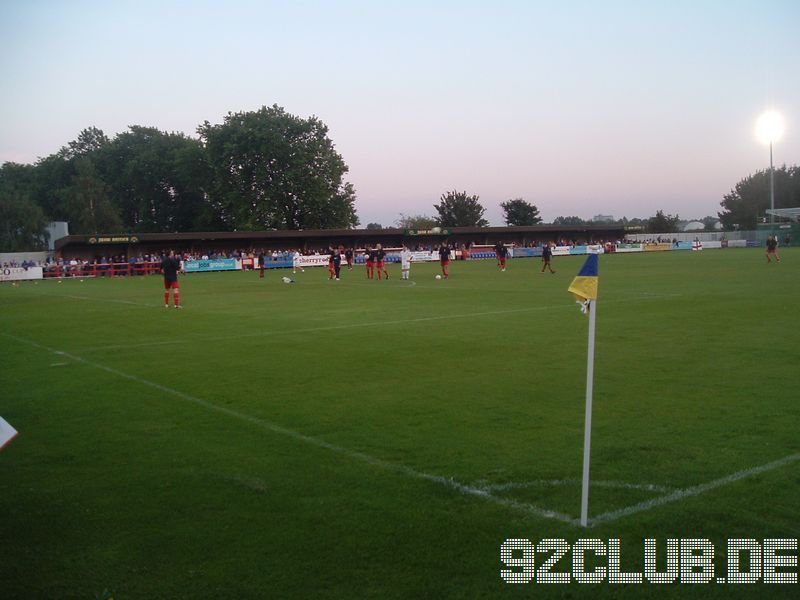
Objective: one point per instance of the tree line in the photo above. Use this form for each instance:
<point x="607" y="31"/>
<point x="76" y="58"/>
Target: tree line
<point x="258" y="170"/>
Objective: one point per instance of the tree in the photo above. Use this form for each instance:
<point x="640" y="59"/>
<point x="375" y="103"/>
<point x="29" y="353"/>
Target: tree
<point x="661" y="223"/>
<point x="519" y="212"/>
<point x="87" y="203"/>
<point x="22" y="221"/>
<point x="159" y="181"/>
<point x="456" y="209"/>
<point x="372" y="226"/>
<point x="415" y="222"/>
<point x="89" y="141"/>
<point x="748" y="201"/>
<point x="568" y="221"/>
<point x="273" y="170"/>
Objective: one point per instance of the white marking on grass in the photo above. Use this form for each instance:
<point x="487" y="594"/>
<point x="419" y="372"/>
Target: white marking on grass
<point x="58" y="364"/>
<point x="178" y="341"/>
<point x="313" y="441"/>
<point x="112" y="300"/>
<point x="317" y="329"/>
<point x="694" y="490"/>
<point x="621" y="485"/>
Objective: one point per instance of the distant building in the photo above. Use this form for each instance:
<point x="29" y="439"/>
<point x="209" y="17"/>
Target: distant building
<point x="603" y="219"/>
<point x="55" y="231"/>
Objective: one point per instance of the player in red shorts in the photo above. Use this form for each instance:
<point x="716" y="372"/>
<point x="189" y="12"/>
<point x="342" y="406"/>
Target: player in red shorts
<point x="380" y="264"/>
<point x="502" y="254"/>
<point x="369" y="255"/>
<point x="331" y="268"/>
<point x="772" y="248"/>
<point x="170" y="265"/>
<point x="444" y="259"/>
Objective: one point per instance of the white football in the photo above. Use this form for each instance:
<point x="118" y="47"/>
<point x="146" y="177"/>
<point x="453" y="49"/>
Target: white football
<point x="438" y="277"/>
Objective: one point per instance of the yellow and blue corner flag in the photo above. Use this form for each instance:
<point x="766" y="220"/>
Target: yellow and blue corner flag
<point x="584" y="286"/>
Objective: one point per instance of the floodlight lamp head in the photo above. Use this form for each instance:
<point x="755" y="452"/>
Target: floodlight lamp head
<point x="769" y="127"/>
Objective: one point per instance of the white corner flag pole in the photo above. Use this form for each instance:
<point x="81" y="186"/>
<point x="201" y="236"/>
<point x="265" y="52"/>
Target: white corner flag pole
<point x="587" y="431"/>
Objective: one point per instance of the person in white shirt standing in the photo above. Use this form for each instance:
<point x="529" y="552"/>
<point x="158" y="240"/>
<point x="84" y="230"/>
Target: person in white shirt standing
<point x="405" y="262"/>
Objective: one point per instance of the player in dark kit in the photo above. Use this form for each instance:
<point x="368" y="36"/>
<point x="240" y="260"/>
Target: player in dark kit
<point x="380" y="265"/>
<point x="444" y="259"/>
<point x="546" y="256"/>
<point x="261" y="264"/>
<point x="772" y="249"/>
<point x="331" y="270"/>
<point x="371" y="258"/>
<point x="348" y="257"/>
<point x="502" y="254"/>
<point x="336" y="260"/>
<point x="170" y="265"/>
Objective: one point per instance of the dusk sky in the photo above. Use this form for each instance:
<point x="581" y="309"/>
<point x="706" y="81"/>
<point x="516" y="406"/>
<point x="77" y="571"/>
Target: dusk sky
<point x="581" y="108"/>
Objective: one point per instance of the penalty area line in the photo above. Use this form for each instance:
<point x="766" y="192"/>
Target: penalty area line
<point x="313" y="441"/>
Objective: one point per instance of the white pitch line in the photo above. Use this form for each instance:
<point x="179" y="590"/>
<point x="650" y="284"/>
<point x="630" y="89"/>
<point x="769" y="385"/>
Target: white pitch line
<point x="620" y="485"/>
<point x="313" y="441"/>
<point x="324" y="328"/>
<point x="693" y="491"/>
<point x="113" y="300"/>
<point x="179" y="341"/>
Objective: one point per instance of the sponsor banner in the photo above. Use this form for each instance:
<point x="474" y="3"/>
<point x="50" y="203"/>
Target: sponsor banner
<point x="561" y="250"/>
<point x="20" y="274"/>
<point x="657" y="247"/>
<point x="431" y="231"/>
<point x="577" y="250"/>
<point x="284" y="263"/>
<point x="220" y="264"/>
<point x="711" y="244"/>
<point x="595" y="249"/>
<point x="526" y="252"/>
<point x="416" y="256"/>
<point x="478" y="254"/>
<point x="682" y="246"/>
<point x="748" y="243"/>
<point x="114" y="239"/>
<point x="313" y="260"/>
<point x="629" y="248"/>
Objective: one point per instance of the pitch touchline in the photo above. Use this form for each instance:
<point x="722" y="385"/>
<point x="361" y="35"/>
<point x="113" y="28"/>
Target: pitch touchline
<point x="337" y="327"/>
<point x="353" y="454"/>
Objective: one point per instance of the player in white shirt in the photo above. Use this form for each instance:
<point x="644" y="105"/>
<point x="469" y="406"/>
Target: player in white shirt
<point x="405" y="262"/>
<point x="296" y="262"/>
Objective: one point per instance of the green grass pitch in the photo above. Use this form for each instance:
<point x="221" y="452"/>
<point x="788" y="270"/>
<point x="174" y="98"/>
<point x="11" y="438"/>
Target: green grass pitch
<point x="382" y="439"/>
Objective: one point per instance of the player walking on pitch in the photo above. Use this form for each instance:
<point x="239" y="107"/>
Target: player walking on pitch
<point x="444" y="259"/>
<point x="772" y="249"/>
<point x="170" y="265"/>
<point x="502" y="254"/>
<point x="547" y="254"/>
